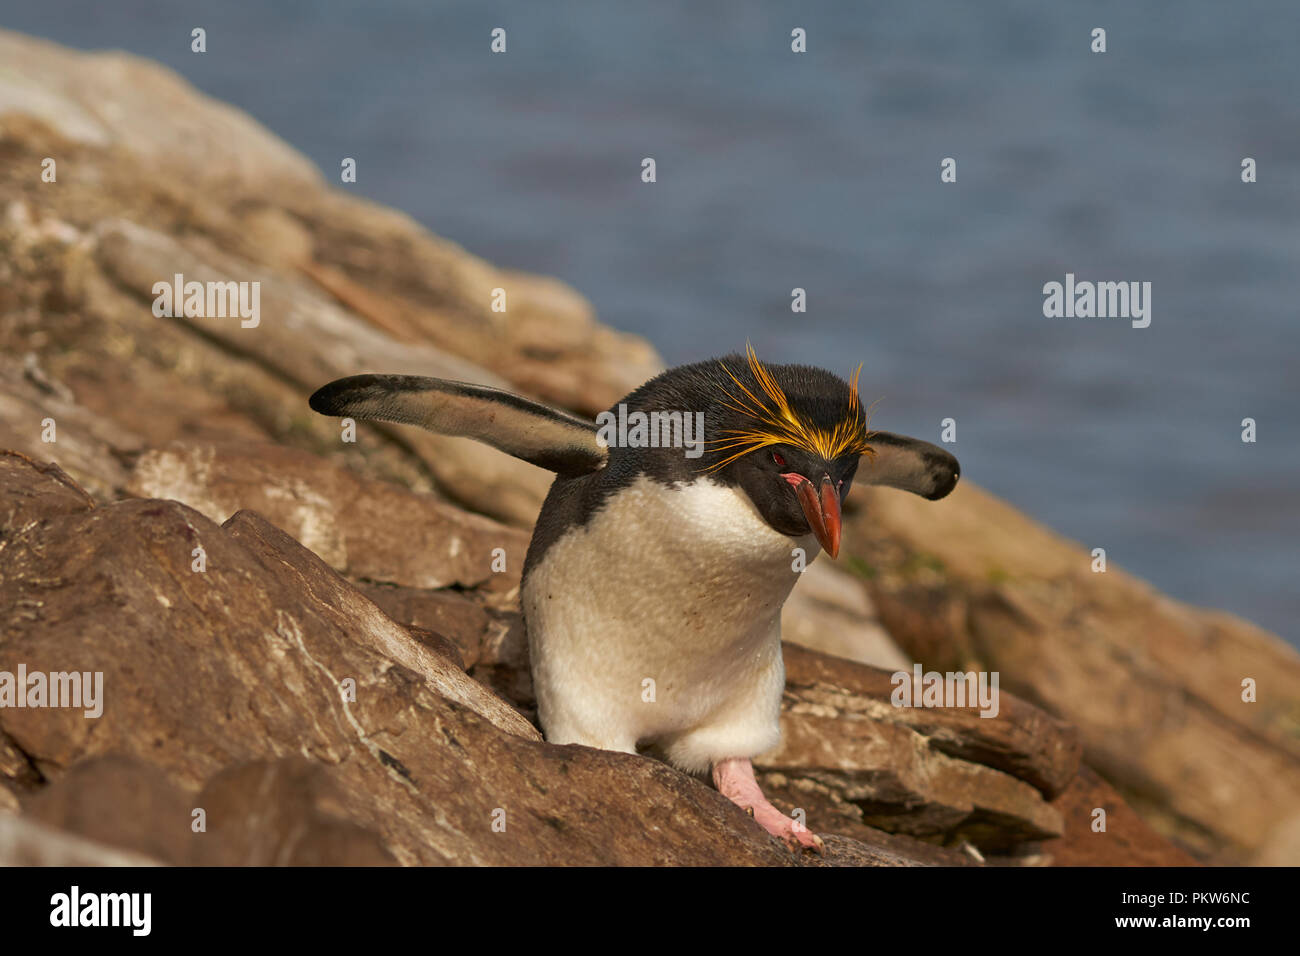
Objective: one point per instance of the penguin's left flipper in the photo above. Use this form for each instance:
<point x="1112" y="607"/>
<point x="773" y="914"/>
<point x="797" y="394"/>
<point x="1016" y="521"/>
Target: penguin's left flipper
<point x="910" y="464"/>
<point x="536" y="433"/>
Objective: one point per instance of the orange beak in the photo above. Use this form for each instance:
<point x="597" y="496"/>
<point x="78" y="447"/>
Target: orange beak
<point x="822" y="509"/>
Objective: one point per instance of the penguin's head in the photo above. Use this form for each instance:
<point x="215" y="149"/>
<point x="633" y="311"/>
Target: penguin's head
<point x="794" y="437"/>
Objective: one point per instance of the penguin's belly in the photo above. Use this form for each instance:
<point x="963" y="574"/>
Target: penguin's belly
<point x="659" y="621"/>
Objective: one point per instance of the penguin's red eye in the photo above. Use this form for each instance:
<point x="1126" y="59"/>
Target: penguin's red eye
<point x="776" y="457"/>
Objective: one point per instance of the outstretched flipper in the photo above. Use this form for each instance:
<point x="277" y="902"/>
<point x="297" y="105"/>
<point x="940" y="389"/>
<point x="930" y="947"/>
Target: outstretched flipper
<point x="910" y="464"/>
<point x="537" y="433"/>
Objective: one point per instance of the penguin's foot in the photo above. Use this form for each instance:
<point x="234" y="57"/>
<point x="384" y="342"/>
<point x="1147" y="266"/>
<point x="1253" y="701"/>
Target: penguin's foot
<point x="734" y="778"/>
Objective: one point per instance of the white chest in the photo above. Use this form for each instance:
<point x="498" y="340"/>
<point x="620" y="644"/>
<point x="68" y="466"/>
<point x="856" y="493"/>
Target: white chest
<point x="680" y="586"/>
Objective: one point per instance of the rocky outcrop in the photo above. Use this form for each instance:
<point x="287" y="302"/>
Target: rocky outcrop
<point x="1155" y="687"/>
<point x="249" y="687"/>
<point x="339" y="674"/>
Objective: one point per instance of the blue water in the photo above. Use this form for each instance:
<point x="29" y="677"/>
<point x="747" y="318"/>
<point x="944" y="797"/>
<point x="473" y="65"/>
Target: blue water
<point x="822" y="171"/>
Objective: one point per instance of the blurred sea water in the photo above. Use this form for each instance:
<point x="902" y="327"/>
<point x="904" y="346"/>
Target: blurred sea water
<point x="821" y="171"/>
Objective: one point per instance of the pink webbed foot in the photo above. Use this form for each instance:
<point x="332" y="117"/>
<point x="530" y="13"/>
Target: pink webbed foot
<point x="734" y="778"/>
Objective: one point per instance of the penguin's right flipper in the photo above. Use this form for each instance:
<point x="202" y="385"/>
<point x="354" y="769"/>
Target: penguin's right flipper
<point x="537" y="433"/>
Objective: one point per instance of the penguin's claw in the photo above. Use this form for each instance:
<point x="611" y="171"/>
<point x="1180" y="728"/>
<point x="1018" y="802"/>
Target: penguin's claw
<point x="735" y="780"/>
<point x="791" y="832"/>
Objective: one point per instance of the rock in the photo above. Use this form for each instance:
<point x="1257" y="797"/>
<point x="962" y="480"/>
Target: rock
<point x="369" y="530"/>
<point x="24" y="842"/>
<point x="1126" y="840"/>
<point x="491" y="643"/>
<point x="288" y="812"/>
<point x="88" y="446"/>
<point x="346" y="285"/>
<point x="842" y="851"/>
<point x="904" y="786"/>
<point x="1021" y="740"/>
<point x="114" y="100"/>
<point x="36" y="492"/>
<point x="1154" y="686"/>
<point x="363" y="622"/>
<point x="261" y="813"/>
<point x="452" y="614"/>
<point x="1282" y="846"/>
<point x="828" y="611"/>
<point x="230" y="680"/>
<point x="120" y="802"/>
<point x="481" y="478"/>
<point x="306" y="338"/>
<point x="546" y="342"/>
<point x="246" y="609"/>
<point x="839" y="819"/>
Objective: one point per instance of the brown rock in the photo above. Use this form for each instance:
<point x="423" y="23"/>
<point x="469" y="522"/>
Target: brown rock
<point x="121" y="802"/>
<point x="1126" y="840"/>
<point x="29" y="498"/>
<point x="1282" y="846"/>
<point x="201" y="138"/>
<point x="1153" y="685"/>
<point x="24" y="842"/>
<point x="547" y="342"/>
<point x="282" y="813"/>
<point x="288" y="812"/>
<point x="492" y="643"/>
<point x="304" y="573"/>
<point x="903" y="786"/>
<point x="369" y="530"/>
<point x="1021" y="740"/>
<point x="136" y="557"/>
<point x="829" y="611"/>
<point x="451" y="614"/>
<point x="838" y="821"/>
<point x="242" y="665"/>
<point x="437" y="643"/>
<point x="346" y="286"/>
<point x="89" y="447"/>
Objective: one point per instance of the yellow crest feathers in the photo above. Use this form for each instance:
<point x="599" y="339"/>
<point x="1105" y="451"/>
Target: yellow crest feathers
<point x="776" y="423"/>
